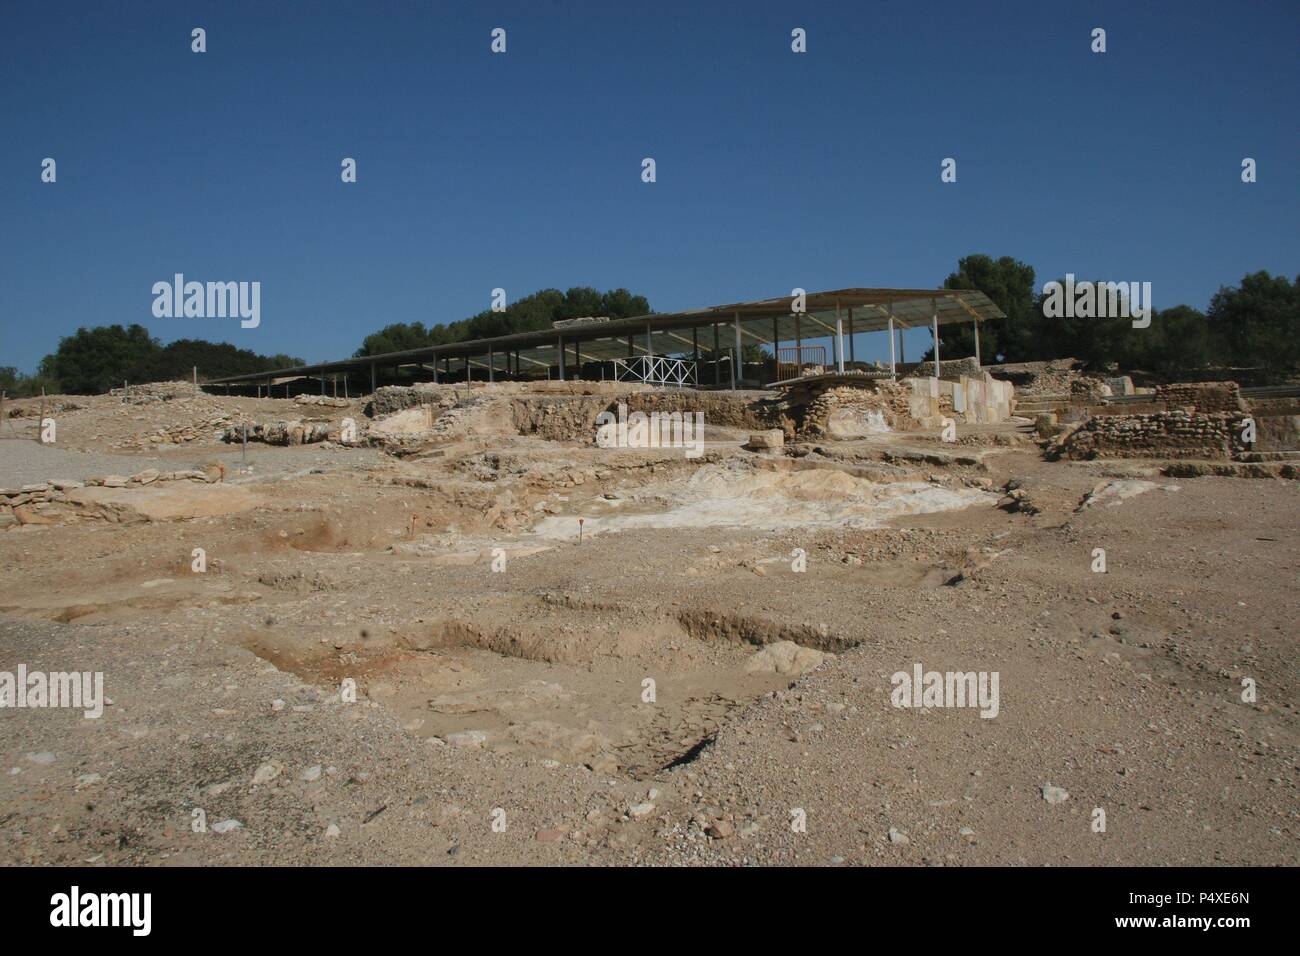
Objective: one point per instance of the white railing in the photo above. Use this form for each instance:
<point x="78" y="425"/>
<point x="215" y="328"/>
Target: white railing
<point x="656" y="370"/>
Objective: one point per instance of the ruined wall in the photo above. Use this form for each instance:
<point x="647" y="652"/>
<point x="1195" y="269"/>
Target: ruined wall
<point x="1039" y="378"/>
<point x="949" y="369"/>
<point x="970" y="399"/>
<point x="1203" y="396"/>
<point x="1277" y="424"/>
<point x="395" y="398"/>
<point x="150" y="392"/>
<point x="573" y="417"/>
<point x="558" y="417"/>
<point x="1168" y="434"/>
<point x="848" y="411"/>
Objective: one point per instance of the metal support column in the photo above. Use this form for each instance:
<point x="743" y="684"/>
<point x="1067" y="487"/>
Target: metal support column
<point x="717" y="351"/>
<point x="739" y="368"/>
<point x="839" y="339"/>
<point x="893" y="368"/>
<point x="372" y="378"/>
<point x="776" y="348"/>
<point x="560" y="340"/>
<point x="975" y="327"/>
<point x="492" y="365"/>
<point x="851" y="356"/>
<point x="934" y="330"/>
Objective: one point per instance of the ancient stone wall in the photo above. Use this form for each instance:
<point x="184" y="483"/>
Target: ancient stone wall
<point x="1168" y="434"/>
<point x="1203" y="396"/>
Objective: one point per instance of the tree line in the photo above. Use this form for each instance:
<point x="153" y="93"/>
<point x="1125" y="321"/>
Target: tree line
<point x="532" y="313"/>
<point x="92" y="361"/>
<point x="1253" y="326"/>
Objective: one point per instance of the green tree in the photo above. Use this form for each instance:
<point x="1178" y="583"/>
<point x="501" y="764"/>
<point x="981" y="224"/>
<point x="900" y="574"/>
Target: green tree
<point x="94" y="360"/>
<point x="1009" y="283"/>
<point x="1257" y="324"/>
<point x="532" y="313"/>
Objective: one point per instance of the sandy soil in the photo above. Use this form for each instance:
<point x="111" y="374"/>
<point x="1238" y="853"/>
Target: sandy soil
<point x="501" y="602"/>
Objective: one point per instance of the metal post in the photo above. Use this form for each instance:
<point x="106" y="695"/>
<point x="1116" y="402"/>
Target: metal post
<point x="975" y="326"/>
<point x="372" y="376"/>
<point x="717" y="351"/>
<point x="492" y="365"/>
<point x="322" y="383"/>
<point x="649" y="344"/>
<point x="776" y="348"/>
<point x="739" y="373"/>
<point x="851" y="356"/>
<point x="560" y="340"/>
<point x="798" y="345"/>
<point x="435" y="370"/>
<point x="577" y="361"/>
<point x="839" y="339"/>
<point x="934" y="328"/>
<point x="893" y="368"/>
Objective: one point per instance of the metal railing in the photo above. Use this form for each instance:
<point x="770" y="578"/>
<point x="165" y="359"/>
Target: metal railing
<point x="792" y="360"/>
<point x="656" y="370"/>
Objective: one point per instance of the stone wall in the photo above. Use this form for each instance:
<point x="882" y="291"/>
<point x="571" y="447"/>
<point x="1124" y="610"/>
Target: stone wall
<point x="1039" y="378"/>
<point x="149" y="392"/>
<point x="1277" y="422"/>
<point x="1203" y="396"/>
<point x="949" y="370"/>
<point x="1168" y="434"/>
<point x="850" y="411"/>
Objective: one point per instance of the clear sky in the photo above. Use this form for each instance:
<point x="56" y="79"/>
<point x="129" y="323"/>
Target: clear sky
<point x="523" y="170"/>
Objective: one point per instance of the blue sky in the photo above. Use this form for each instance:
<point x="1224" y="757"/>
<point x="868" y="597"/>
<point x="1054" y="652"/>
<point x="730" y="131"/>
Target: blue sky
<point x="522" y="170"/>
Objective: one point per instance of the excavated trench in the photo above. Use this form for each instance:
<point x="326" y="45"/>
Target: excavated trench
<point x="563" y="679"/>
<point x="619" y="687"/>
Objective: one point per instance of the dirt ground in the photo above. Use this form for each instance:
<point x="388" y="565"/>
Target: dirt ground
<point x="567" y="654"/>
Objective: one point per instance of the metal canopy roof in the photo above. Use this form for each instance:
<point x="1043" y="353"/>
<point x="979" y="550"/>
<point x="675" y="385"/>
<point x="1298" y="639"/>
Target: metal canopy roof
<point x="862" y="310"/>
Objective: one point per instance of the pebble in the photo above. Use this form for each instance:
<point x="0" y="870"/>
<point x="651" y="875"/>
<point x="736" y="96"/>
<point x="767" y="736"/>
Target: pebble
<point x="266" y="773"/>
<point x="467" y="738"/>
<point x="1054" y="794"/>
